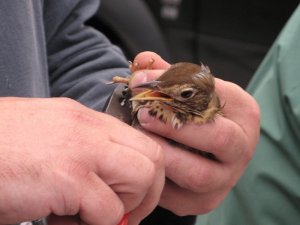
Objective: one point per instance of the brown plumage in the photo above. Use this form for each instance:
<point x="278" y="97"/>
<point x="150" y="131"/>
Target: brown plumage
<point x="185" y="92"/>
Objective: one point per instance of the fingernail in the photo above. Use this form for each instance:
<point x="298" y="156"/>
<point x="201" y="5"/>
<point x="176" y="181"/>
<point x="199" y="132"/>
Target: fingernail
<point x="124" y="220"/>
<point x="138" y="77"/>
<point x="144" y="117"/>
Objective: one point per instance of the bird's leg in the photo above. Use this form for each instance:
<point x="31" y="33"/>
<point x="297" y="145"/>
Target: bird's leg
<point x="118" y="79"/>
<point x="125" y="80"/>
<point x="135" y="66"/>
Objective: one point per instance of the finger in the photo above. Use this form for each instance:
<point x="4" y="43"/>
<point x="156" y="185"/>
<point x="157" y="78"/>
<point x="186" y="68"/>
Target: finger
<point x="136" y="179"/>
<point x="239" y="106"/>
<point x="156" y="62"/>
<point x="117" y="130"/>
<point x="223" y="138"/>
<point x="195" y="185"/>
<point x="143" y="76"/>
<point x="184" y="202"/>
<point x="138" y="141"/>
<point x="151" y="199"/>
<point x="195" y="173"/>
<point x="99" y="204"/>
<point x="90" y="198"/>
<point x="128" y="173"/>
<point x="128" y="165"/>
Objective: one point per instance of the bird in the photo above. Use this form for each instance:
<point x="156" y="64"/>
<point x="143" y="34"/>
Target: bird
<point x="183" y="93"/>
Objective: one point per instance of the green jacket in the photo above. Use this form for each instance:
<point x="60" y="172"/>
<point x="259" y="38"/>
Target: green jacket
<point x="269" y="191"/>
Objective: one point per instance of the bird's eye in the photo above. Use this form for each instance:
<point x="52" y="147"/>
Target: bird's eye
<point x="187" y="93"/>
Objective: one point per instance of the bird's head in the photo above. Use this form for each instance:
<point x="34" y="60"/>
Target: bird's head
<point x="186" y="85"/>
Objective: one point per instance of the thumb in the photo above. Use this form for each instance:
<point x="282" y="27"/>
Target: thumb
<point x="147" y="60"/>
<point x="142" y="76"/>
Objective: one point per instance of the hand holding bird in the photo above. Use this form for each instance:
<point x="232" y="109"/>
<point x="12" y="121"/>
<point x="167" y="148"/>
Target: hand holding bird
<point x="198" y="183"/>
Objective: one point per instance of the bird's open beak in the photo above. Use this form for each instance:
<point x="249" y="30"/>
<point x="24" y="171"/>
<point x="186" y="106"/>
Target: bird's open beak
<point x="152" y="92"/>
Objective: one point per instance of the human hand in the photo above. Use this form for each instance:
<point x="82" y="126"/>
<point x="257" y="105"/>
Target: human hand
<point x="196" y="184"/>
<point x="59" y="157"/>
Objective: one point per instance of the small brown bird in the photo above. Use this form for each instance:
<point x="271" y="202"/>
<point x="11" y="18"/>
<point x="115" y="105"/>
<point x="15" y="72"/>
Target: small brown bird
<point x="185" y="92"/>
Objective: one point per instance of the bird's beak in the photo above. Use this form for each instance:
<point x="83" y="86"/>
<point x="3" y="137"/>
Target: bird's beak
<point x="153" y="92"/>
<point x="148" y="85"/>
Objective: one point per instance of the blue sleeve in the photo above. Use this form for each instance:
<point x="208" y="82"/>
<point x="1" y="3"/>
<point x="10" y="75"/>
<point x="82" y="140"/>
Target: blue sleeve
<point x="80" y="59"/>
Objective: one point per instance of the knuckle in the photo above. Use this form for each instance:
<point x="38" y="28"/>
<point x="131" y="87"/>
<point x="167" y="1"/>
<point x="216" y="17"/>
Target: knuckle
<point x="149" y="173"/>
<point x="198" y="179"/>
<point x="248" y="156"/>
<point x="143" y="175"/>
<point x="253" y="113"/>
<point x="223" y="139"/>
<point x="69" y="209"/>
<point x="154" y="151"/>
<point x="208" y="207"/>
<point x="157" y="155"/>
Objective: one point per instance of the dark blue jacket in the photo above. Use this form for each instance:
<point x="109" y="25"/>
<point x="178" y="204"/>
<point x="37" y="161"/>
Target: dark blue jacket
<point x="45" y="51"/>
